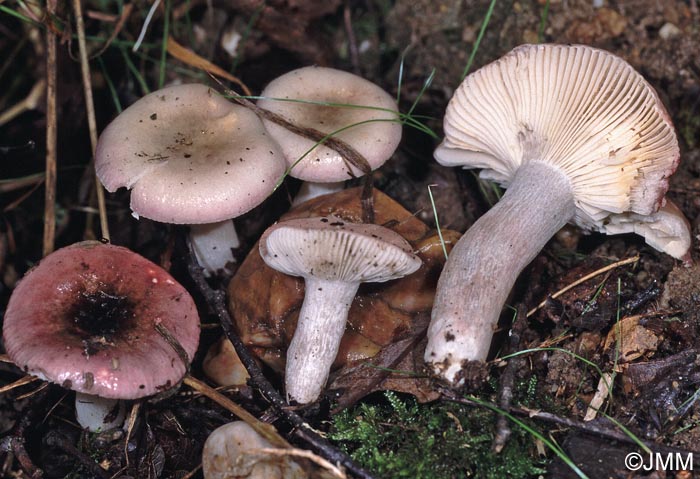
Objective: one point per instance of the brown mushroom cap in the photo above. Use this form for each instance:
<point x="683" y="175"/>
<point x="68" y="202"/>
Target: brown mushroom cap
<point x="86" y="317"/>
<point x="576" y="108"/>
<point x="313" y="92"/>
<point x="189" y="156"/>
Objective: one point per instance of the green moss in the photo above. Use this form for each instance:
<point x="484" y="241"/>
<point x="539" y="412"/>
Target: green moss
<point x="401" y="438"/>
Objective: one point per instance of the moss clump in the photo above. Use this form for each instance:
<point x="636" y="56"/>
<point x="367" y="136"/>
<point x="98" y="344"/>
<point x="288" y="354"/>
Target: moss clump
<point x="401" y="438"/>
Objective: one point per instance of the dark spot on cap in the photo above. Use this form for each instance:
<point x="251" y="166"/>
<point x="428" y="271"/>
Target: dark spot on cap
<point x="154" y="116"/>
<point x="449" y="337"/>
<point x="89" y="380"/>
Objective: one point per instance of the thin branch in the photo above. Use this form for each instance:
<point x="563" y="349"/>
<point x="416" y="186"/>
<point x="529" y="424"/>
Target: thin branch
<point x="595" y="273"/>
<point x="30" y="102"/>
<point x="51" y="136"/>
<point x="18" y="438"/>
<point x="352" y="39"/>
<point x="507" y="379"/>
<point x="90" y="110"/>
<point x="350" y="154"/>
<point x="264" y="429"/>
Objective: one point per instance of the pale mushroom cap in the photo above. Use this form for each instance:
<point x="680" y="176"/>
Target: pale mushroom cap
<point x="376" y="140"/>
<point x="49" y="329"/>
<point x="577" y="108"/>
<point x="330" y="248"/>
<point x="666" y="230"/>
<point x="189" y="156"/>
<point x="234" y="450"/>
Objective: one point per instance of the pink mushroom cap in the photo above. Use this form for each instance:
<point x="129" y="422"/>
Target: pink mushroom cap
<point x="85" y="318"/>
<point x="189" y="156"/>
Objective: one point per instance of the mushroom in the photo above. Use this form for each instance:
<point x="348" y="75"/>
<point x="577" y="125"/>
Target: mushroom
<point x="190" y="156"/>
<point x="223" y="366"/>
<point x="236" y="450"/>
<point x="576" y="135"/>
<point x="87" y="318"/>
<point x="334" y="102"/>
<point x="333" y="257"/>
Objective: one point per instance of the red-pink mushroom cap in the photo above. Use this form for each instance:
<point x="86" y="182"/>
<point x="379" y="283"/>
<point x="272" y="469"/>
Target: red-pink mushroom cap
<point x="367" y="120"/>
<point x="189" y="156"/>
<point x="85" y="318"/>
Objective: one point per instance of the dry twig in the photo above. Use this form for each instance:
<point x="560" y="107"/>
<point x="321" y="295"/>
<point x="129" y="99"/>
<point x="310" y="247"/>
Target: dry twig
<point x="51" y="136"/>
<point x="90" y="111"/>
<point x="595" y="273"/>
<point x="30" y="102"/>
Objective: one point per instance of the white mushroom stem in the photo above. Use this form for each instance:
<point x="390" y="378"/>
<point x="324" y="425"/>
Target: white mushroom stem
<point x="310" y="190"/>
<point x="317" y="337"/>
<point x="212" y="244"/>
<point x="96" y="413"/>
<point x="486" y="261"/>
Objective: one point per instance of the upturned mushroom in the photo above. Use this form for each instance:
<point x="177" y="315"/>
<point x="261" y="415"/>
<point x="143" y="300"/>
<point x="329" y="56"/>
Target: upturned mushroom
<point x="335" y="102"/>
<point x="88" y="318"/>
<point x="576" y="135"/>
<point x="334" y="257"/>
<point x="189" y="156"/>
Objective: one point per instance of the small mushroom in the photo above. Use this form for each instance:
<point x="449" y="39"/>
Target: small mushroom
<point x="87" y="318"/>
<point x="334" y="257"/>
<point x="223" y="366"/>
<point x="576" y="135"/>
<point x="189" y="156"/>
<point x="235" y="450"/>
<point x="265" y="303"/>
<point x="335" y="102"/>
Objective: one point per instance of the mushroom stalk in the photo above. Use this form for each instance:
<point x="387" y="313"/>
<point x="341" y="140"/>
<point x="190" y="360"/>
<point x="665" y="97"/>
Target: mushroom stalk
<point x="212" y="244"/>
<point x="310" y="190"/>
<point x="486" y="261"/>
<point x="96" y="413"/>
<point x="317" y="337"/>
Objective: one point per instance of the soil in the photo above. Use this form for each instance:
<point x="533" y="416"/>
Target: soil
<point x="639" y="322"/>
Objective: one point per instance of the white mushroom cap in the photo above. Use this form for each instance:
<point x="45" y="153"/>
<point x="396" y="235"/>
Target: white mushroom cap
<point x="332" y="249"/>
<point x="189" y="156"/>
<point x="666" y="230"/>
<point x="580" y="109"/>
<point x="375" y="140"/>
<point x="234" y="450"/>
